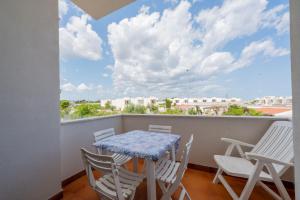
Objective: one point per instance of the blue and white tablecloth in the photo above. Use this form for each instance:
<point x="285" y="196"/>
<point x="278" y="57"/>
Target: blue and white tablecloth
<point x="141" y="144"/>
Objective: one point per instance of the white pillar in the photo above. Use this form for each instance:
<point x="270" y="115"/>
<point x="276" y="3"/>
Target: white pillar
<point x="295" y="60"/>
<point x="29" y="100"/>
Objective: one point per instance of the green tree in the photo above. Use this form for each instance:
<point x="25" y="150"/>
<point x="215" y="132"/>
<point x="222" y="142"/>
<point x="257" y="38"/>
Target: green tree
<point x="64" y="104"/>
<point x="65" y="108"/>
<point x="129" y="108"/>
<point x="86" y="110"/>
<point x="242" y="111"/>
<point x="199" y="111"/>
<point x="107" y="105"/>
<point x="138" y="109"/>
<point x="153" y="108"/>
<point x="168" y="103"/>
<point x="253" y="112"/>
<point x="175" y="111"/>
<point x="192" y="111"/>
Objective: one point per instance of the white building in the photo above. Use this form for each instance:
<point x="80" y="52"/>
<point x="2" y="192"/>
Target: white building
<point x="204" y="101"/>
<point x="121" y="103"/>
<point x="273" y="101"/>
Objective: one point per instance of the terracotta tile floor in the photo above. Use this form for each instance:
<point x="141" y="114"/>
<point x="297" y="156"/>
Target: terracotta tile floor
<point x="198" y="184"/>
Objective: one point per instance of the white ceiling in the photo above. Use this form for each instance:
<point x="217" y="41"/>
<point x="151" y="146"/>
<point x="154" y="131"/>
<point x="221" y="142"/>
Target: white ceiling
<point x="100" y="8"/>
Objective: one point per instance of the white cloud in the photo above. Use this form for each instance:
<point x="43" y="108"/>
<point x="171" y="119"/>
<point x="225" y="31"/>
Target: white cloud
<point x="63" y="8"/>
<point x="283" y="25"/>
<point x="196" y="1"/>
<point x="224" y="61"/>
<point x="214" y="63"/>
<point x="266" y="47"/>
<point x="174" y="53"/>
<point x="277" y="17"/>
<point x="69" y="87"/>
<point x="78" y="39"/>
<point x="233" y="19"/>
<point x="171" y="1"/>
<point x="144" y="9"/>
<point x="85" y="91"/>
<point x="83" y="87"/>
<point x="109" y="67"/>
<point x="105" y="75"/>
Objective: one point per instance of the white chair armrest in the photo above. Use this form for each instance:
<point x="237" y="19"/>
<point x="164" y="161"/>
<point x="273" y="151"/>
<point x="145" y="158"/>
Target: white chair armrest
<point x="237" y="142"/>
<point x="266" y="159"/>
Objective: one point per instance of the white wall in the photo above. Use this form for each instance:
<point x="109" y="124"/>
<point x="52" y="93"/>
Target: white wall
<point x="77" y="134"/>
<point x="29" y="96"/>
<point x="295" y="47"/>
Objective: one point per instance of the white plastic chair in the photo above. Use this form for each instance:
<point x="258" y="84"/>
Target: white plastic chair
<point x="170" y="173"/>
<point x="104" y="134"/>
<point x="274" y="153"/>
<point x="160" y="128"/>
<point x="164" y="129"/>
<point x="115" y="183"/>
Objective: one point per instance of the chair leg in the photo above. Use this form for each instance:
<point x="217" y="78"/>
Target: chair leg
<point x="216" y="179"/>
<point x="162" y="186"/>
<point x="270" y="191"/>
<point x="135" y="164"/>
<point x="282" y="190"/>
<point x="284" y="194"/>
<point x="165" y="190"/>
<point x="132" y="195"/>
<point x="166" y="196"/>
<point x="228" y="188"/>
<point x="173" y="153"/>
<point x="251" y="181"/>
<point x="184" y="193"/>
<point x="220" y="171"/>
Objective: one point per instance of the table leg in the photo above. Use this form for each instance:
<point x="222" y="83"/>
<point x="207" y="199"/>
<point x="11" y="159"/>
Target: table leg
<point x="135" y="164"/>
<point x="151" y="186"/>
<point x="173" y="153"/>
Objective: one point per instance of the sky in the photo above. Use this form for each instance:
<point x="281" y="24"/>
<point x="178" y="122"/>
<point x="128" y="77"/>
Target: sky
<point x="173" y="48"/>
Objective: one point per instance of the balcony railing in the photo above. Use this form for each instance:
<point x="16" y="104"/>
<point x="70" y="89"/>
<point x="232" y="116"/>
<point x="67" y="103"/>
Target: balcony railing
<point x="207" y="133"/>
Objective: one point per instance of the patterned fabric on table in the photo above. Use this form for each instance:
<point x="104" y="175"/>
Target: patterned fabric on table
<point x="141" y="144"/>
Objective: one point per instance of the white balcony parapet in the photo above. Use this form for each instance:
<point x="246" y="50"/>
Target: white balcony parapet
<point x="207" y="133"/>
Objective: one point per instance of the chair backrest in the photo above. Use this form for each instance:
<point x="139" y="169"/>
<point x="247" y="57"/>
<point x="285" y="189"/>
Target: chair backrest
<point x="183" y="165"/>
<point x="160" y="128"/>
<point x="103" y="134"/>
<point x="105" y="164"/>
<point x="186" y="155"/>
<point x="277" y="143"/>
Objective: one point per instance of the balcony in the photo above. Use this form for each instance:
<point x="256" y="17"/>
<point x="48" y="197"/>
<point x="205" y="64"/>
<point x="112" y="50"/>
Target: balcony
<point x="198" y="178"/>
<point x="37" y="152"/>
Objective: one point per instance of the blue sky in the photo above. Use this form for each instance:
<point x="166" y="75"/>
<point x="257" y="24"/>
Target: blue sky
<point x="196" y="48"/>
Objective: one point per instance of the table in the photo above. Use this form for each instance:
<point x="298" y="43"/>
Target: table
<point x="150" y="146"/>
